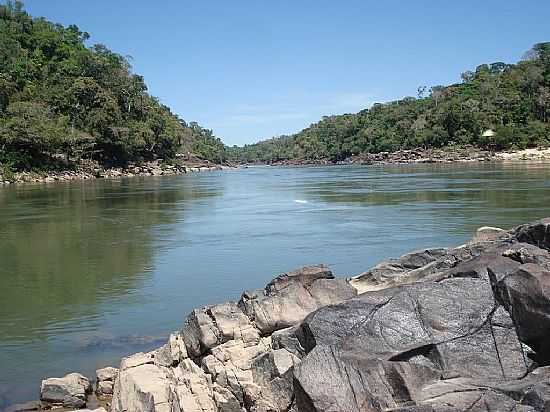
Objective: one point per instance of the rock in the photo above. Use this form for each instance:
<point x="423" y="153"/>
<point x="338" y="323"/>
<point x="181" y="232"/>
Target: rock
<point x="537" y="233"/>
<point x="381" y="349"/>
<point x="142" y="388"/>
<point x="488" y="233"/>
<point x="70" y="391"/>
<point x="417" y="266"/>
<point x="290" y="297"/>
<point x="106" y="374"/>
<point x="440" y="330"/>
<point x="210" y="326"/>
<point x="105" y="380"/>
<point x="526" y="295"/>
<point x="105" y="388"/>
<point x="137" y="359"/>
<point x="288" y="339"/>
<point x="173" y="352"/>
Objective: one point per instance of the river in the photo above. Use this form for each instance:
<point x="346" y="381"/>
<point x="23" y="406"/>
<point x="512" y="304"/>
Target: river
<point x="91" y="271"/>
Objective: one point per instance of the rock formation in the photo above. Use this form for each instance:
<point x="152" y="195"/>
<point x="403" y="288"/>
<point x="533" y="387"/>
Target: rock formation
<point x="447" y="329"/>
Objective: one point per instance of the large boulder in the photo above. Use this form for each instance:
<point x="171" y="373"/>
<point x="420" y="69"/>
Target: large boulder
<point x="526" y="295"/>
<point x="382" y="349"/>
<point x="69" y="391"/>
<point x="536" y="233"/>
<point x="290" y="297"/>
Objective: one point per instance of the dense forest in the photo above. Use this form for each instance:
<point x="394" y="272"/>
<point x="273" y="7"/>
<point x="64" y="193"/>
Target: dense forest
<point x="513" y="100"/>
<point x="62" y="101"/>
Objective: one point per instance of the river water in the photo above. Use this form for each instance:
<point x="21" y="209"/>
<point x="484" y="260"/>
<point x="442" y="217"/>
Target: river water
<point x="91" y="271"/>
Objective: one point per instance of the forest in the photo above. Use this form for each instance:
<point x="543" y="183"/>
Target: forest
<point x="512" y="100"/>
<point x="63" y="102"/>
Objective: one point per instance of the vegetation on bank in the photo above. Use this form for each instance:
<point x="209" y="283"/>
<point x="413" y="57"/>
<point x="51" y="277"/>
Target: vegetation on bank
<point x="513" y="100"/>
<point x="62" y="101"/>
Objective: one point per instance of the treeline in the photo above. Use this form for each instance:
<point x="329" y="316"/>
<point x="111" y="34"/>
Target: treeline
<point x="61" y="102"/>
<point x="513" y="100"/>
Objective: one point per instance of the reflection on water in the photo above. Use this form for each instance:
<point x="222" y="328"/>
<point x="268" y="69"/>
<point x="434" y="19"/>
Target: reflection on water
<point x="68" y="248"/>
<point x="95" y="270"/>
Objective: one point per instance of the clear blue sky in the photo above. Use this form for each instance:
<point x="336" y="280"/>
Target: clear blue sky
<point x="253" y="69"/>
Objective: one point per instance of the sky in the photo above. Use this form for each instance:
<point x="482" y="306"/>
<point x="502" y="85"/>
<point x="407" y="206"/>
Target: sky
<point x="254" y="69"/>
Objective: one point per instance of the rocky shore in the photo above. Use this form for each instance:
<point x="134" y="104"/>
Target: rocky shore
<point x="94" y="171"/>
<point x="444" y="329"/>
<point x="443" y="155"/>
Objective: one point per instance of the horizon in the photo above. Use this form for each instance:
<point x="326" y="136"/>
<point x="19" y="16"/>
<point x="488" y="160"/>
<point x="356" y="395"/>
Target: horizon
<point x="252" y="72"/>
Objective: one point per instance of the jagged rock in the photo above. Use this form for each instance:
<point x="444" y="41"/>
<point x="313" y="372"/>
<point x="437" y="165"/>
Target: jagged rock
<point x="105" y="380"/>
<point x="68" y="391"/>
<point x="210" y="326"/>
<point x="173" y="352"/>
<point x="423" y="265"/>
<point x="137" y="359"/>
<point x="526" y="295"/>
<point x="527" y="253"/>
<point x="106" y="374"/>
<point x="288" y="339"/>
<point x="144" y="387"/>
<point x="536" y="233"/>
<point x="290" y="297"/>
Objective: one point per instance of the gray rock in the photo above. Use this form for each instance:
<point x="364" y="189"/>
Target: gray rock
<point x="173" y="352"/>
<point x="405" y="339"/>
<point x="105" y="380"/>
<point x="290" y="297"/>
<point x="288" y="339"/>
<point x="536" y="233"/>
<point x="488" y="234"/>
<point x="526" y="295"/>
<point x="106" y="374"/>
<point x="210" y="326"/>
<point x="421" y="266"/>
<point x="70" y="391"/>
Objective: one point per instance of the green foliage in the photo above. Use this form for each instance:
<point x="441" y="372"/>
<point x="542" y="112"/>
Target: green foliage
<point x="61" y="100"/>
<point x="512" y="100"/>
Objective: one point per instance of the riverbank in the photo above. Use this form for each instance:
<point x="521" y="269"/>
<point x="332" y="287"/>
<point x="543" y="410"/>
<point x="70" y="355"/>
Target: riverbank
<point x="92" y="170"/>
<point x="442" y="329"/>
<point x="443" y="155"/>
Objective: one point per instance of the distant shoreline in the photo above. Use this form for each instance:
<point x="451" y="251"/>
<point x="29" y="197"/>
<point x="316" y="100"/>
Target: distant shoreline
<point x="416" y="156"/>
<point x="413" y="156"/>
<point x="92" y="173"/>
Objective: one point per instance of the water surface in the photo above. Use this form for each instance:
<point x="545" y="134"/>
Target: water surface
<point x="91" y="271"/>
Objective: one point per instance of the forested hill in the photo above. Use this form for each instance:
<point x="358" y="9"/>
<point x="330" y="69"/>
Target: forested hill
<point x="61" y="101"/>
<point x="511" y="99"/>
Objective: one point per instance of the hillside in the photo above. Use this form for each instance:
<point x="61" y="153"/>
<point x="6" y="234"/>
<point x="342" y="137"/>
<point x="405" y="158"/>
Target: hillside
<point x="62" y="101"/>
<point x="511" y="99"/>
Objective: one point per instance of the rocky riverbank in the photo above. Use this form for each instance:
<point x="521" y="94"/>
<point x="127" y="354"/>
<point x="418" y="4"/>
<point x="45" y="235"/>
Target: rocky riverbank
<point x="443" y="329"/>
<point x="91" y="170"/>
<point x="443" y="155"/>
